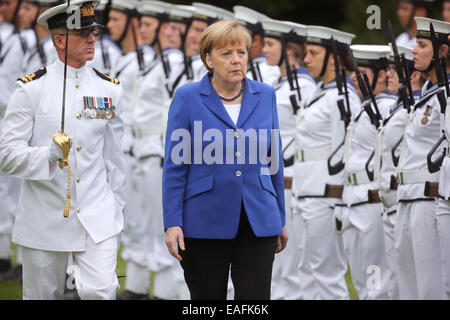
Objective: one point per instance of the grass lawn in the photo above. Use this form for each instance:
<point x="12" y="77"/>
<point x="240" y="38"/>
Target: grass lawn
<point x="12" y="290"/>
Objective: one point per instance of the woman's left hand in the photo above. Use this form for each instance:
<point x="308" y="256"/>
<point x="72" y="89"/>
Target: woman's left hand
<point x="282" y="240"/>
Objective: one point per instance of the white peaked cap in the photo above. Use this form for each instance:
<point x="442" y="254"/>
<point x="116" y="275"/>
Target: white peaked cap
<point x="370" y="52"/>
<point x="59" y="13"/>
<point x="403" y="50"/>
<point x="319" y="35"/>
<point x="203" y="9"/>
<point x="247" y="15"/>
<point x="441" y="28"/>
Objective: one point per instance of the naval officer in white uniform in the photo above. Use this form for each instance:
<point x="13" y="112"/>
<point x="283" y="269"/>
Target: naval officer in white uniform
<point x="90" y="227"/>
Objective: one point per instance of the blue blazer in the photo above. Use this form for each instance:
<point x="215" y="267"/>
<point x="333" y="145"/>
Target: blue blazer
<point x="204" y="197"/>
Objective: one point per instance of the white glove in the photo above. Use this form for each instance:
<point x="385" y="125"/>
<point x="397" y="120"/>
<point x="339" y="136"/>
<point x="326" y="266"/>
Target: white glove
<point x="55" y="152"/>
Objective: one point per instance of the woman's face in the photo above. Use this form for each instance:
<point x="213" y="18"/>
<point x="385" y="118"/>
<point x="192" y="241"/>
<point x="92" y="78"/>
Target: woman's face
<point x="423" y="53"/>
<point x="272" y="50"/>
<point x="314" y="58"/>
<point x="229" y="63"/>
<point x="369" y="73"/>
<point x="393" y="79"/>
<point x="147" y="28"/>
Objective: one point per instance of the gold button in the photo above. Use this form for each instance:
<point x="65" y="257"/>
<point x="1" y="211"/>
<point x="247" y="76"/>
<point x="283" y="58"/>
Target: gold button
<point x="237" y="154"/>
<point x="236" y="134"/>
<point x="78" y="210"/>
<point x="78" y="116"/>
<point x="78" y="148"/>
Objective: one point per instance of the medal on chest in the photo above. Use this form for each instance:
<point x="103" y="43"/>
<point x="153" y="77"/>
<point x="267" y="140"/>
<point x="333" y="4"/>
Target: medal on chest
<point x="99" y="108"/>
<point x="426" y="114"/>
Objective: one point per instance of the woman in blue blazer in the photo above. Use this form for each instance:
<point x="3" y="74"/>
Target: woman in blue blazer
<point x="223" y="190"/>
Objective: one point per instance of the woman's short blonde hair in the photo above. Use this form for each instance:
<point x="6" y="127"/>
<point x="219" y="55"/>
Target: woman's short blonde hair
<point x="221" y="34"/>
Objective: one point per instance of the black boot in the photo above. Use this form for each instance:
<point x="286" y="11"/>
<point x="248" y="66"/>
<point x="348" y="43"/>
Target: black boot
<point x="12" y="274"/>
<point x="129" y="295"/>
<point x="5" y="264"/>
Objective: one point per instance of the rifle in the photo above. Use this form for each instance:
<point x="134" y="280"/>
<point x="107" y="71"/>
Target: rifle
<point x="339" y="166"/>
<point x="441" y="74"/>
<point x="400" y="66"/>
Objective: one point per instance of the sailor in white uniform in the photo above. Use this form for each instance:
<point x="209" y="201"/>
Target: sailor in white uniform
<point x="384" y="168"/>
<point x="416" y="236"/>
<point x="258" y="69"/>
<point x="53" y="221"/>
<point x="107" y="52"/>
<point x="284" y="46"/>
<point x="15" y="44"/>
<point x="43" y="52"/>
<point x="320" y="129"/>
<point x="362" y="224"/>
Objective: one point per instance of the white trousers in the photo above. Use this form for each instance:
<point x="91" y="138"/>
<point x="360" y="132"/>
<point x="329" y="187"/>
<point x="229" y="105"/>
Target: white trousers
<point x="144" y="246"/>
<point x="322" y="265"/>
<point x="363" y="237"/>
<point x="285" y="274"/>
<point x="389" y="221"/>
<point x="10" y="189"/>
<point x="443" y="224"/>
<point x="93" y="272"/>
<point x="418" y="251"/>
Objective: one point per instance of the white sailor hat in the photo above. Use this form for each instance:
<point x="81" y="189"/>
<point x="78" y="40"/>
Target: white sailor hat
<point x="407" y="52"/>
<point x="372" y="56"/>
<point x="402" y="50"/>
<point x="181" y="13"/>
<point x="441" y="29"/>
<point x="284" y="29"/>
<point x="56" y="17"/>
<point x="211" y="13"/>
<point x="249" y="18"/>
<point x="157" y="9"/>
<point x="126" y="6"/>
<point x="322" y="36"/>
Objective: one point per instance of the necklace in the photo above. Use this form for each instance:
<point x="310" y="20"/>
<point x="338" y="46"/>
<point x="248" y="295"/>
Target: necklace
<point x="238" y="95"/>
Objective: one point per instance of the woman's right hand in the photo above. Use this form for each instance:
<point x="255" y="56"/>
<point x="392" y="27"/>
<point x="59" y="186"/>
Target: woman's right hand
<point x="175" y="238"/>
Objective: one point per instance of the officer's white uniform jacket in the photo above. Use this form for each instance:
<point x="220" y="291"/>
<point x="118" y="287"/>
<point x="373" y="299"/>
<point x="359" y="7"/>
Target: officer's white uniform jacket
<point x="98" y="168"/>
<point x="286" y="115"/>
<point x="32" y="61"/>
<point x="392" y="133"/>
<point x="150" y="106"/>
<point x="269" y="74"/>
<point x="11" y="57"/>
<point x="420" y="136"/>
<point x="106" y="58"/>
<point x="362" y="146"/>
<point x="318" y="134"/>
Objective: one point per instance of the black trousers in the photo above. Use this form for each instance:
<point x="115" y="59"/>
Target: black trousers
<point x="206" y="264"/>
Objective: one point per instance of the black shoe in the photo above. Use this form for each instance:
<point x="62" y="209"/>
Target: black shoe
<point x="5" y="264"/>
<point x="14" y="273"/>
<point x="129" y="295"/>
